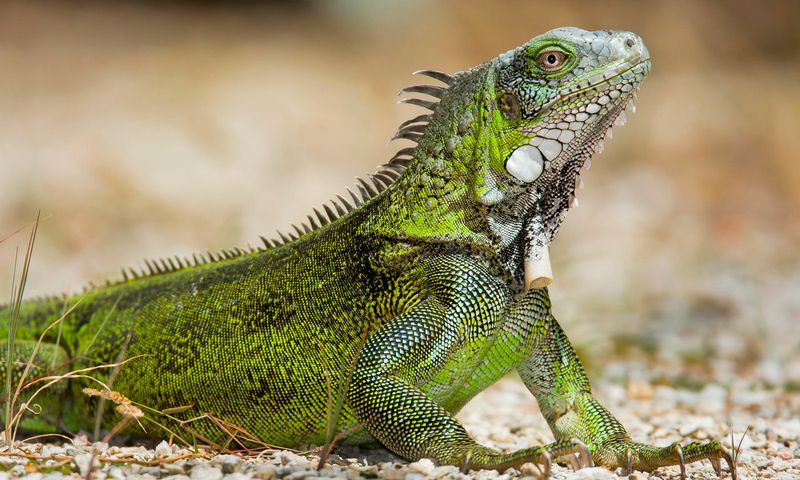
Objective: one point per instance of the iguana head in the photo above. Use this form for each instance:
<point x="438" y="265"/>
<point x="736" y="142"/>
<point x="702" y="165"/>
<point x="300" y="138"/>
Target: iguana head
<point x="502" y="153"/>
<point x="556" y="98"/>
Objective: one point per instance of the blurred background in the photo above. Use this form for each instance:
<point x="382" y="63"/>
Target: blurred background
<point x="150" y="129"/>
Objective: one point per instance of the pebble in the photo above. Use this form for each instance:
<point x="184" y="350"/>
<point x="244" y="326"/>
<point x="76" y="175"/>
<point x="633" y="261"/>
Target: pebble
<point x="238" y="476"/>
<point x="116" y="473"/>
<point x="85" y="461"/>
<point x="424" y="467"/>
<point x="393" y="471"/>
<point x="264" y="471"/>
<point x="49" y="449"/>
<point x="206" y="472"/>
<point x="163" y="449"/>
<point x="229" y="463"/>
<point x="595" y="473"/>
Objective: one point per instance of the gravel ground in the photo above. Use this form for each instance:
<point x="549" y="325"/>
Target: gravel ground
<point x="505" y="417"/>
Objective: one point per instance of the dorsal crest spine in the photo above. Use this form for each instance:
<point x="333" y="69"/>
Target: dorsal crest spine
<point x="376" y="183"/>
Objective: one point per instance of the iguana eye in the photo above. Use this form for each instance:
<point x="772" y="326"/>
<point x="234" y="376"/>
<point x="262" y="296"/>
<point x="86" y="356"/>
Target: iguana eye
<point x="552" y="59"/>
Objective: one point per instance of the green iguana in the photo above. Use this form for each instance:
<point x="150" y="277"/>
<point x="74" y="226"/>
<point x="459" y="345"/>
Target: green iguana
<point x="399" y="304"/>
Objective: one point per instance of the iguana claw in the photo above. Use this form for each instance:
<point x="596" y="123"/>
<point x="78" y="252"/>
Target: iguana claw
<point x="628" y="463"/>
<point x="548" y="464"/>
<point x="682" y="463"/>
<point x="585" y="454"/>
<point x="716" y="465"/>
<point x="645" y="457"/>
<point x="574" y="462"/>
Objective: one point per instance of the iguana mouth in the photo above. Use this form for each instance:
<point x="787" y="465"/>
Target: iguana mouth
<point x="594" y="142"/>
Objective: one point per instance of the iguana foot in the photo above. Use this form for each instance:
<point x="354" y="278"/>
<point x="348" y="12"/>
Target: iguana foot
<point x="638" y="456"/>
<point x="542" y="455"/>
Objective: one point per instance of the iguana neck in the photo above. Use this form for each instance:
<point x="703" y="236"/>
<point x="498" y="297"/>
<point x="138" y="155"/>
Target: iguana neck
<point x="453" y="191"/>
<point x="434" y="200"/>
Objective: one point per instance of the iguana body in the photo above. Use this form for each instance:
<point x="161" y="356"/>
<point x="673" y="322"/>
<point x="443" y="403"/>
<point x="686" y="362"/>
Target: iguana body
<point x="405" y="306"/>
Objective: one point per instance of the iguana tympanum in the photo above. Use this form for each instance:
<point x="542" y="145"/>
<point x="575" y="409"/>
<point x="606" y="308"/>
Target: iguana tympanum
<point x="403" y="302"/>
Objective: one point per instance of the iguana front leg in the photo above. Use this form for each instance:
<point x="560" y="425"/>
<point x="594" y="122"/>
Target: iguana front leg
<point x="554" y="374"/>
<point x="401" y="356"/>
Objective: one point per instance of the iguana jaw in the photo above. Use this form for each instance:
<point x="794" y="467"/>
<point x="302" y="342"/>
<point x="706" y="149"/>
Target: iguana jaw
<point x="570" y="129"/>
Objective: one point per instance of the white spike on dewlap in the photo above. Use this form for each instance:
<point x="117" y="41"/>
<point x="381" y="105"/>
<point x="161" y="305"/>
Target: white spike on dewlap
<point x="538" y="272"/>
<point x="525" y="164"/>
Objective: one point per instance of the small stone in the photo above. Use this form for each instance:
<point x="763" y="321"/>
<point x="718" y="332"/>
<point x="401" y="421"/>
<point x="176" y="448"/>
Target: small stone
<point x="175" y="477"/>
<point x="49" y="476"/>
<point x="238" y="476"/>
<point x="163" y="449"/>
<point x="151" y="470"/>
<point x="363" y="472"/>
<point x="50" y="450"/>
<point x="84" y="462"/>
<point x="229" y="463"/>
<point x="116" y="473"/>
<point x="393" y="471"/>
<point x="290" y="458"/>
<point x="18" y="470"/>
<point x="206" y="472"/>
<point x="334" y="459"/>
<point x="486" y="475"/>
<point x="100" y="446"/>
<point x="530" y="470"/>
<point x="142" y="476"/>
<point x="445" y="471"/>
<point x="264" y="471"/>
<point x="784" y="454"/>
<point x="175" y="468"/>
<point x="416" y="476"/>
<point x="424" y="466"/>
<point x="595" y="473"/>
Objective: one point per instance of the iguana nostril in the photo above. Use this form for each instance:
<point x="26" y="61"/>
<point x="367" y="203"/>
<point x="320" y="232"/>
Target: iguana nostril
<point x="630" y="42"/>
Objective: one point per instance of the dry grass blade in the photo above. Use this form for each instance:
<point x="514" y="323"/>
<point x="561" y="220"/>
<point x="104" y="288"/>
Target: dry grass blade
<point x="112" y="395"/>
<point x="52" y="379"/>
<point x="736" y="449"/>
<point x="118" y="428"/>
<point x="12" y="327"/>
<point x="35" y="222"/>
<point x="21" y="383"/>
<point x="125" y="460"/>
<point x="173" y="410"/>
<point x="17" y="295"/>
<point x="129" y="411"/>
<point x="101" y="405"/>
<point x="89" y="470"/>
<point x="48" y="435"/>
<point x="235" y="434"/>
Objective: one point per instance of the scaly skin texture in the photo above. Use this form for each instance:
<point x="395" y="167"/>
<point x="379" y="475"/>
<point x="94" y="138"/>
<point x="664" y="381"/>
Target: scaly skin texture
<point x="403" y="307"/>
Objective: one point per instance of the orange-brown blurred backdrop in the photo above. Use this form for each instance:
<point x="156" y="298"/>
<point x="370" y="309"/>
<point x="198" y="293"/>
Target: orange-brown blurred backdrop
<point x="145" y="130"/>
